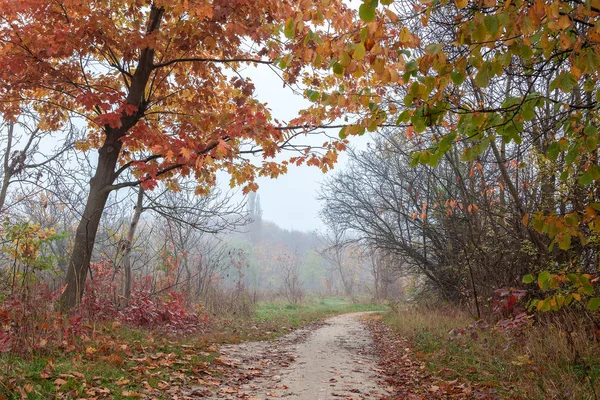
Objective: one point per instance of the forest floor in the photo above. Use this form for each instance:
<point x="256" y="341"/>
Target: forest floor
<point x="323" y="349"/>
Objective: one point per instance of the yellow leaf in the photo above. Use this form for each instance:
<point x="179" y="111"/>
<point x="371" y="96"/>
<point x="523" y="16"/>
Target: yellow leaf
<point x="405" y="36"/>
<point x="345" y="59"/>
<point x="359" y="52"/>
<point x="576" y="71"/>
<point x="462" y="3"/>
<point x="131" y="393"/>
<point x="391" y="15"/>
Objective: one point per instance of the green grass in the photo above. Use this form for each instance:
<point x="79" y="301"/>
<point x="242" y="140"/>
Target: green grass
<point x="309" y="311"/>
<point x="274" y="319"/>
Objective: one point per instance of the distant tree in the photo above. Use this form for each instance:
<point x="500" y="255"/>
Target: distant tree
<point x="343" y="256"/>
<point x="291" y="282"/>
<point x="185" y="215"/>
<point x="255" y="214"/>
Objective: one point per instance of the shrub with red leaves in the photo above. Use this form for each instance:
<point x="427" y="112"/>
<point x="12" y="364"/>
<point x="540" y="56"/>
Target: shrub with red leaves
<point x="29" y="320"/>
<point x="170" y="312"/>
<point x="508" y="306"/>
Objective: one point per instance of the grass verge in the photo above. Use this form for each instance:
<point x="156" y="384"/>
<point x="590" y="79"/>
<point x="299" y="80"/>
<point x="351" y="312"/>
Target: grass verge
<point x="540" y="361"/>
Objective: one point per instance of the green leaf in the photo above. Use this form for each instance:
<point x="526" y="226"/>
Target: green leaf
<point x="553" y="151"/>
<point x="482" y="79"/>
<point x="343" y="133"/>
<point x="411" y="66"/>
<point x="458" y="77"/>
<point x="312" y="95"/>
<point x="591" y="143"/>
<point x="491" y="24"/>
<point x="567" y="82"/>
<point x="593" y="304"/>
<point x="366" y="13"/>
<point x="588" y="289"/>
<point x="387" y="2"/>
<point x="434" y="160"/>
<point x="290" y="28"/>
<point x="565" y="242"/>
<point x="573" y="278"/>
<point x="419" y="123"/>
<point x="528" y="278"/>
<point x="415" y="160"/>
<point x="545" y="305"/>
<point x="345" y="59"/>
<point x="568" y="299"/>
<point x="403" y="117"/>
<point x="571" y="155"/>
<point x="364" y="33"/>
<point x="528" y="111"/>
<point x="590" y="130"/>
<point x="338" y="69"/>
<point x="433" y="48"/>
<point x="585" y="178"/>
<point x="543" y="279"/>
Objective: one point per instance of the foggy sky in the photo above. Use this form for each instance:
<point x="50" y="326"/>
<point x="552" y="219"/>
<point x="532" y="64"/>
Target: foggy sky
<point x="290" y="200"/>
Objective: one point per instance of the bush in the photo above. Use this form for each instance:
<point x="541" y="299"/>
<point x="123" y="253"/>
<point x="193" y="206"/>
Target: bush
<point x="29" y="321"/>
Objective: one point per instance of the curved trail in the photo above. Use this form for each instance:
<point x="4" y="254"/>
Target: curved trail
<point x="333" y="361"/>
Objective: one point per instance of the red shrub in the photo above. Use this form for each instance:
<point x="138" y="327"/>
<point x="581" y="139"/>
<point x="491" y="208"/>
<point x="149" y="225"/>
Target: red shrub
<point x="29" y="320"/>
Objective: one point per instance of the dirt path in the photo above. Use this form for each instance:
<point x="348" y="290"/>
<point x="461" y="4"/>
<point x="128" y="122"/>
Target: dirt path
<point x="331" y="361"/>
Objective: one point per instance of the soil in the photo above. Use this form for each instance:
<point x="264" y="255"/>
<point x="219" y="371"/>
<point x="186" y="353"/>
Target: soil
<point x="332" y="360"/>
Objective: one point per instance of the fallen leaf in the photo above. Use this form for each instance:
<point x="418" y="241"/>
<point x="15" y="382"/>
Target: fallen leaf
<point x="122" y="382"/>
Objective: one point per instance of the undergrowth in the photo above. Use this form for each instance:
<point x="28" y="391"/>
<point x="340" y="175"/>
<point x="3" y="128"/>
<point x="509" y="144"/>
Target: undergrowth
<point x="540" y="360"/>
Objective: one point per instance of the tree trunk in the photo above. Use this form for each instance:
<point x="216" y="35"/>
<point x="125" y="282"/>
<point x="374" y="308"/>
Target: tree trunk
<point x="85" y="236"/>
<point x="100" y="184"/>
<point x="4" y="188"/>
<point x="128" y="244"/>
<point x="8" y="169"/>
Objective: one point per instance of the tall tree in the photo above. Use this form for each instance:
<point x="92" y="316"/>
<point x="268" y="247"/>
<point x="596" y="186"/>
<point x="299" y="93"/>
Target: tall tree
<point x="150" y="78"/>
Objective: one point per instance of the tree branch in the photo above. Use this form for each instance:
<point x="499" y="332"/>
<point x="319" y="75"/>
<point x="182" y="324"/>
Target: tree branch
<point x="215" y="60"/>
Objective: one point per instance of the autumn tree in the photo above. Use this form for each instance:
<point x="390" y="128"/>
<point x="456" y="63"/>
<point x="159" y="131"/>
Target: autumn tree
<point x="157" y="84"/>
<point x="501" y="77"/>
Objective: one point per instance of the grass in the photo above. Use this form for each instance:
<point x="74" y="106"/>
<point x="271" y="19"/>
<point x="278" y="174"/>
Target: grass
<point x="273" y="319"/>
<point x="538" y="363"/>
<point x="294" y="316"/>
<point x="115" y="363"/>
<point x="118" y="362"/>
